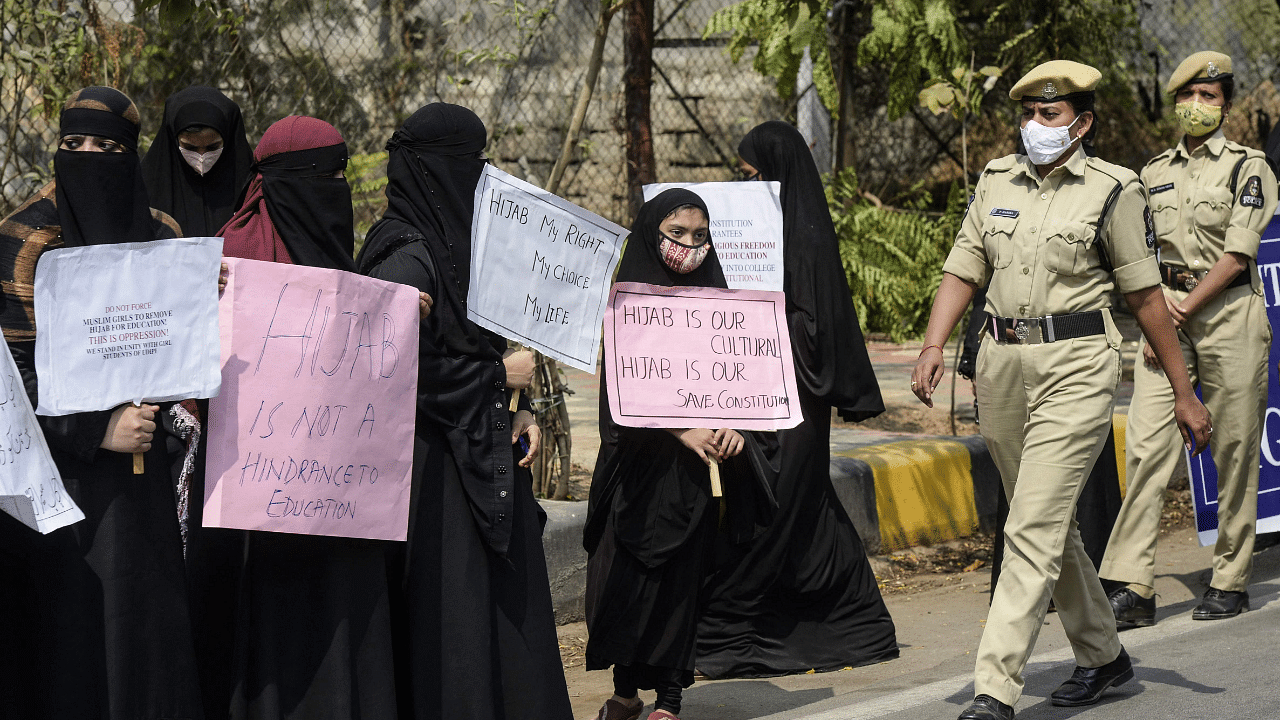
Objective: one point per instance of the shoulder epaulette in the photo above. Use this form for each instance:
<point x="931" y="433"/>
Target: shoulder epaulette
<point x="1119" y="173"/>
<point x="1168" y="153"/>
<point x="1002" y="164"/>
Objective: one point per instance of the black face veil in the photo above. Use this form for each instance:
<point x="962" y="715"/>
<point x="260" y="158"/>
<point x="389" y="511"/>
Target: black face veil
<point x="101" y="196"/>
<point x="433" y="167"/>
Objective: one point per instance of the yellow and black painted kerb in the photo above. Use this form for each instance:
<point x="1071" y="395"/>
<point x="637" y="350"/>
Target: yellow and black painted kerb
<point x="922" y="492"/>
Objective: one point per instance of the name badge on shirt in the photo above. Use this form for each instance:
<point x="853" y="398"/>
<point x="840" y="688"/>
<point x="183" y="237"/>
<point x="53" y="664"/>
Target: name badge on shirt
<point x="1160" y="188"/>
<point x="1252" y="193"/>
<point x="1004" y="212"/>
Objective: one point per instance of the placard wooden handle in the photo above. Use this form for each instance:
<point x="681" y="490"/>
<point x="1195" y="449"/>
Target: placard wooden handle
<point x="716" y="490"/>
<point x="515" y="400"/>
<point x="138" y="467"/>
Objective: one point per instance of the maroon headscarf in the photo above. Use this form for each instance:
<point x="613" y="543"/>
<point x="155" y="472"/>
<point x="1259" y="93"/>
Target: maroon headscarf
<point x="296" y="208"/>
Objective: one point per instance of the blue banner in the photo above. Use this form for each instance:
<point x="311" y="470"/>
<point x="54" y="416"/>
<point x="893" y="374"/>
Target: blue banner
<point x="1201" y="470"/>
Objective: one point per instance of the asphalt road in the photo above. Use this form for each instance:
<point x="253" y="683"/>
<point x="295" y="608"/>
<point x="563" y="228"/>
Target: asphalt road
<point x="1184" y="668"/>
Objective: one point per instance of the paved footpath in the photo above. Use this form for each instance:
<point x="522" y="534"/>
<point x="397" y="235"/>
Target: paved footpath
<point x="1185" y="669"/>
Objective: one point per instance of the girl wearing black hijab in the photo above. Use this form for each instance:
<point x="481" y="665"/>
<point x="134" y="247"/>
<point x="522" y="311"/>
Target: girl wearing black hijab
<point x="803" y="596"/>
<point x="99" y="625"/>
<point x="199" y="160"/>
<point x="471" y="598"/>
<point x="652" y="522"/>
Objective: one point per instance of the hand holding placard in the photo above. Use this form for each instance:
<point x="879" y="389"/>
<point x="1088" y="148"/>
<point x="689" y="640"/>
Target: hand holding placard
<point x="313" y="433"/>
<point x="540" y="268"/>
<point x="110" y="329"/>
<point x="699" y="357"/>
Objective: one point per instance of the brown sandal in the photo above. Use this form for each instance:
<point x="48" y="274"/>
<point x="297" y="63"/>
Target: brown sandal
<point x="614" y="710"/>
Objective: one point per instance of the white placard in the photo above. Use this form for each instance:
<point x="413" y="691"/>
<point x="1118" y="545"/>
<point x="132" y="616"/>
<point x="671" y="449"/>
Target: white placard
<point x="540" y="268"/>
<point x="128" y="322"/>
<point x="31" y="489"/>
<point x="746" y="227"/>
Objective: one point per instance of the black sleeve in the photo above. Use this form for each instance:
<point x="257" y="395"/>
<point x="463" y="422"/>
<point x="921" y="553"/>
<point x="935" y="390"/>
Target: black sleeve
<point x="79" y="435"/>
<point x="409" y="265"/>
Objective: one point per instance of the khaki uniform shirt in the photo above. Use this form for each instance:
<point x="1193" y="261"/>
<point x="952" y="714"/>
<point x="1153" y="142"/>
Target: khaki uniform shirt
<point x="1037" y="241"/>
<point x="1197" y="216"/>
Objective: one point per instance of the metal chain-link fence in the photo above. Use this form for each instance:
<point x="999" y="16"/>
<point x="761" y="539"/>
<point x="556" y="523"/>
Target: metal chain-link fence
<point x="1134" y="115"/>
<point x="365" y="65"/>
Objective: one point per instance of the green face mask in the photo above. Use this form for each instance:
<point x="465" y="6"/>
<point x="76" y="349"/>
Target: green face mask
<point x="1197" y="118"/>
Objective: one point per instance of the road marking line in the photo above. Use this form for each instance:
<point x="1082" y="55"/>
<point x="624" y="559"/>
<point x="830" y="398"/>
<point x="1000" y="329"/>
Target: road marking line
<point x="892" y="703"/>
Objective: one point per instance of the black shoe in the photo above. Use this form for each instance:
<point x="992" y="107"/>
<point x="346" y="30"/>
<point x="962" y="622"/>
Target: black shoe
<point x="1221" y="604"/>
<point x="1086" y="685"/>
<point x="1131" y="609"/>
<point x="985" y="707"/>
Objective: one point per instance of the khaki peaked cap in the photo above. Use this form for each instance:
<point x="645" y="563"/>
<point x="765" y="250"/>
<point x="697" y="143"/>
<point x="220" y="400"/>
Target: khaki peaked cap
<point x="1204" y="66"/>
<point x="1054" y="79"/>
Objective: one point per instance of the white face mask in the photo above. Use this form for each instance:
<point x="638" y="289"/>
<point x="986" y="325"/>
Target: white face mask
<point x="1046" y="144"/>
<point x="200" y="163"/>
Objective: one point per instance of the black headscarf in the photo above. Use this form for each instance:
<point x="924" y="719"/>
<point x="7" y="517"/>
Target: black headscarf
<point x="200" y="204"/>
<point x="101" y="197"/>
<point x="433" y="167"/>
<point x="831" y="357"/>
<point x="642" y="261"/>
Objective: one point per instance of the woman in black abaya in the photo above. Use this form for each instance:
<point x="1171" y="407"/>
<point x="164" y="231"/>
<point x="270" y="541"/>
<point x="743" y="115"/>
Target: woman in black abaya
<point x="652" y="523"/>
<point x="97" y="624"/>
<point x="199" y="161"/>
<point x="313" y="631"/>
<point x="476" y="634"/>
<point x="803" y="596"/>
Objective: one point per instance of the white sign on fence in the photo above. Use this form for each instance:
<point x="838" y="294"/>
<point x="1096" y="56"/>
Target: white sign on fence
<point x="746" y="228"/>
<point x="540" y="268"/>
<point x="30" y="487"/>
<point x="126" y="323"/>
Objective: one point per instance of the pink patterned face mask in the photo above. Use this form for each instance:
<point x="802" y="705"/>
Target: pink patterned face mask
<point x="682" y="258"/>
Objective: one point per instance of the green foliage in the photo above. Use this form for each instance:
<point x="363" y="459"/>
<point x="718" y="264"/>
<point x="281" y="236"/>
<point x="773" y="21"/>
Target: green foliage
<point x="367" y="174"/>
<point x="912" y="40"/>
<point x="47" y="53"/>
<point x="892" y="256"/>
<point x="931" y="44"/>
<point x="783" y="29"/>
<point x="962" y="96"/>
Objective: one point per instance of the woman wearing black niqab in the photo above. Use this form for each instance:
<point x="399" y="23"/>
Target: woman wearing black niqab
<point x="652" y="523"/>
<point x="472" y="601"/>
<point x="803" y="596"/>
<point x="202" y="199"/>
<point x="98" y="613"/>
<point x="311" y="617"/>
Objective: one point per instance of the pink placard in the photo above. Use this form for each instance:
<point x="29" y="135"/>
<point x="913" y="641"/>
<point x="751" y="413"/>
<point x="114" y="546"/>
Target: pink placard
<point x="682" y="357"/>
<point x="313" y="430"/>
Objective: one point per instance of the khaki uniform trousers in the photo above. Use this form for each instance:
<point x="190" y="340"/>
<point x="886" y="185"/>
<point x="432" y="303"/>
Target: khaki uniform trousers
<point x="1226" y="346"/>
<point x="1046" y="411"/>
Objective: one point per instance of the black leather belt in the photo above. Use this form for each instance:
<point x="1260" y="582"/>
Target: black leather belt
<point x="1049" y="328"/>
<point x="1187" y="280"/>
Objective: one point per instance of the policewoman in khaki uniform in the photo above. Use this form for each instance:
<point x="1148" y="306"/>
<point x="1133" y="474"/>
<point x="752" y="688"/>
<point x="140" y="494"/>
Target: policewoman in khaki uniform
<point x="1054" y="232"/>
<point x="1211" y="200"/>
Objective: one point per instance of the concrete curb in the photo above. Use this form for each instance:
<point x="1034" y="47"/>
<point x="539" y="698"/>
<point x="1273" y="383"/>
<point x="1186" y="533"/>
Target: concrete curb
<point x="918" y="491"/>
<point x="566" y="559"/>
